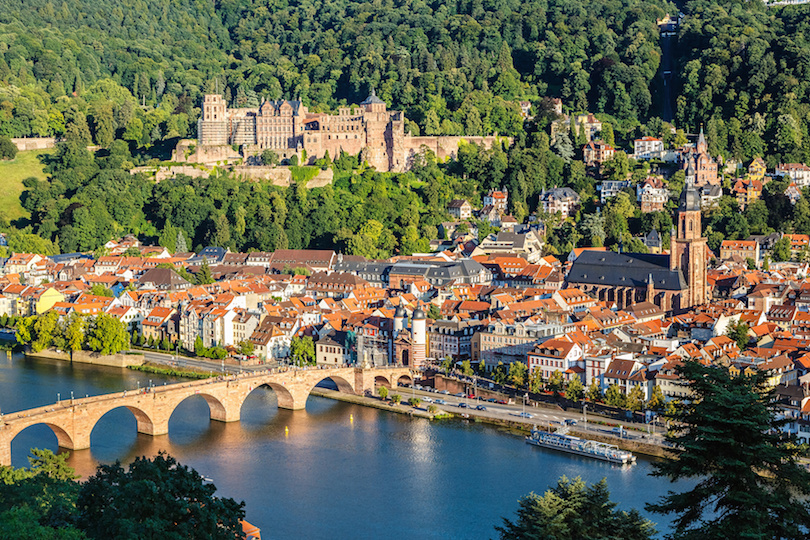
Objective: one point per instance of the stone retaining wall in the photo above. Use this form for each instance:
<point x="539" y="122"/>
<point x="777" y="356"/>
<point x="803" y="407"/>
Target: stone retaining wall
<point x="34" y="143"/>
<point x="87" y="357"/>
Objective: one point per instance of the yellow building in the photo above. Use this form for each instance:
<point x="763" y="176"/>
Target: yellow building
<point x="756" y="171"/>
<point x="44" y="299"/>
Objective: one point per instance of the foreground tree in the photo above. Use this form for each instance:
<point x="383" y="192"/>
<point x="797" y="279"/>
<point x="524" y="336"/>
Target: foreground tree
<point x="39" y="502"/>
<point x="302" y="351"/>
<point x="155" y="498"/>
<point x="107" y="335"/>
<point x="572" y="510"/>
<point x="574" y="391"/>
<point x="750" y="484"/>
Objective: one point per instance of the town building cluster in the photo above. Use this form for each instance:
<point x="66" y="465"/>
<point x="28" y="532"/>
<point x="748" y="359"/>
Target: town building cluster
<point x="604" y="317"/>
<point x="607" y="318"/>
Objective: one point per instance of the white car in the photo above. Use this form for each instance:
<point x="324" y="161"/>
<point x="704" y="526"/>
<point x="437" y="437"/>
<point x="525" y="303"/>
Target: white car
<point x="426" y="399"/>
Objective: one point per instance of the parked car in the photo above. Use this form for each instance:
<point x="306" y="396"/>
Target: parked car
<point x="472" y="396"/>
<point x="440" y="402"/>
<point x="526" y="415"/>
<point x="445" y="392"/>
<point x="460" y="394"/>
<point x="617" y="431"/>
<point x="492" y="400"/>
<point x="426" y="399"/>
<point x="570" y="422"/>
<point x="480" y="408"/>
<point x="501" y="401"/>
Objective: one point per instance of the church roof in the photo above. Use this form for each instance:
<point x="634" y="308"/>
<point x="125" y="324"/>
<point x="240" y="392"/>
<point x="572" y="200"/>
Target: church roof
<point x="612" y="269"/>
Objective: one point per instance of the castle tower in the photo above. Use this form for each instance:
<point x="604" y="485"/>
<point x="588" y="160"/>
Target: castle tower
<point x="212" y="127"/>
<point x="419" y="338"/>
<point x="688" y="249"/>
<point x="376" y="120"/>
<point x="650" y="290"/>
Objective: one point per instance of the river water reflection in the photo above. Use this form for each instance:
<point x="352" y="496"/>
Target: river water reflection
<point x="341" y="471"/>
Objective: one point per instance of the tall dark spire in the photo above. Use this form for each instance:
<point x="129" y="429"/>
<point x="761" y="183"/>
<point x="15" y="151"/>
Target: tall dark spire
<point x="701" y="144"/>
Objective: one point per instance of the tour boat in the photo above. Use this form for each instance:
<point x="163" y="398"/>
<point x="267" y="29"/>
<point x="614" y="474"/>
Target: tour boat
<point x="583" y="447"/>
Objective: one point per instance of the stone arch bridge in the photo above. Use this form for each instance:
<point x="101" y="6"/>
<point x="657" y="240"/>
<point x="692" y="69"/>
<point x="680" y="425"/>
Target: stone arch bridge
<point x="72" y="421"/>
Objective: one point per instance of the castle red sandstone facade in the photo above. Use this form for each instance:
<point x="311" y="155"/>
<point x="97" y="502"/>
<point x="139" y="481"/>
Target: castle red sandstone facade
<point x="288" y="128"/>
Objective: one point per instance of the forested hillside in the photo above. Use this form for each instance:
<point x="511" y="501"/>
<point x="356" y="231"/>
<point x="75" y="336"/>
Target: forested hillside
<point x="128" y="75"/>
<point x="455" y="67"/>
<point x="745" y="73"/>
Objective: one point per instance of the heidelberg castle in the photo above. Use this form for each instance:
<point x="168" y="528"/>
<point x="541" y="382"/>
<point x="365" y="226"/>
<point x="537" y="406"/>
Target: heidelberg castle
<point x="289" y="129"/>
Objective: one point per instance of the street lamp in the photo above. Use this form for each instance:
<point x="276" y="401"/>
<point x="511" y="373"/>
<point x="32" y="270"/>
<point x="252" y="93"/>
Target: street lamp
<point x="58" y="398"/>
<point x="584" y="412"/>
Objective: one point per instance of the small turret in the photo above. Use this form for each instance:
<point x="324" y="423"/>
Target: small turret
<point x="399" y="320"/>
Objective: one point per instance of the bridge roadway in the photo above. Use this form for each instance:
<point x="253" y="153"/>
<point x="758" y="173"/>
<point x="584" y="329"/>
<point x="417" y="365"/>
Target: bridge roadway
<point x="73" y="420"/>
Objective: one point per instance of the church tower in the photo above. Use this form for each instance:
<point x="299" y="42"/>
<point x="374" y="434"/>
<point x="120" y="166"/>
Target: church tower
<point x="702" y="147"/>
<point x="688" y="249"/>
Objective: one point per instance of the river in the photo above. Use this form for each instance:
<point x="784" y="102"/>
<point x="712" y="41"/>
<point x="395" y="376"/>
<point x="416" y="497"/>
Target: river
<point x="340" y="471"/>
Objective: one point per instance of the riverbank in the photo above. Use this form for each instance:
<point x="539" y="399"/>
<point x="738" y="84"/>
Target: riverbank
<point x="377" y="404"/>
<point x="188" y="373"/>
<point x="518" y="427"/>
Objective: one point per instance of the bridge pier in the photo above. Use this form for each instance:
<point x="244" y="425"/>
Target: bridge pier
<point x="5" y="452"/>
<point x="79" y="441"/>
<point x="153" y="428"/>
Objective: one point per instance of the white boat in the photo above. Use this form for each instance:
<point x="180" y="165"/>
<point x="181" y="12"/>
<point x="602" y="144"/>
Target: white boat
<point x="583" y="447"/>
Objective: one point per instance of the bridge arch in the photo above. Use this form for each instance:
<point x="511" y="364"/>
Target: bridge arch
<point x="283" y="395"/>
<point x="405" y="378"/>
<point x="217" y="409"/>
<point x="146" y="423"/>
<point x="63" y="438"/>
<point x="343" y="385"/>
<point x="382" y="380"/>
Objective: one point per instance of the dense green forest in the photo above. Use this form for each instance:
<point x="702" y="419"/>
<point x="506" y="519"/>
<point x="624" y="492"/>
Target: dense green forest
<point x="128" y="76"/>
<point x="138" y="68"/>
<point x="745" y="72"/>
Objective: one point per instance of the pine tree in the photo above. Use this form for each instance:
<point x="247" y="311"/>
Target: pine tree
<point x="181" y="245"/>
<point x="748" y="481"/>
<point x="203" y="277"/>
<point x="573" y="510"/>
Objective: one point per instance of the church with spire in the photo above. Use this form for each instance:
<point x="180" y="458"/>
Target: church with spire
<point x="703" y="165"/>
<point x="674" y="283"/>
<point x="688" y="250"/>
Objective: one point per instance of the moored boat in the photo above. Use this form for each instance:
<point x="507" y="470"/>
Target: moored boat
<point x="583" y="447"/>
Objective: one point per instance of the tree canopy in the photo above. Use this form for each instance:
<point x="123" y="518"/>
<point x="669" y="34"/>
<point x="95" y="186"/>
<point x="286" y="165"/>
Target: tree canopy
<point x="573" y="510"/>
<point x="748" y="481"/>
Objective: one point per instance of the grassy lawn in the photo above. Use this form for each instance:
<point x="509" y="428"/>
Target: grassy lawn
<point x="12" y="174"/>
